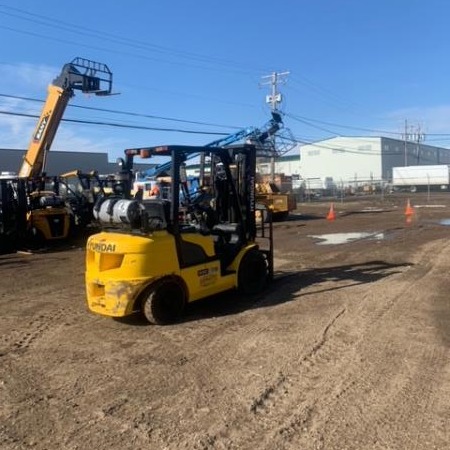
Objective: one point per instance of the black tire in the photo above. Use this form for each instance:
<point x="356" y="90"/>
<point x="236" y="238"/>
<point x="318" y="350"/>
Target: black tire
<point x="7" y="244"/>
<point x="252" y="273"/>
<point x="280" y="216"/>
<point x="34" y="240"/>
<point x="164" y="301"/>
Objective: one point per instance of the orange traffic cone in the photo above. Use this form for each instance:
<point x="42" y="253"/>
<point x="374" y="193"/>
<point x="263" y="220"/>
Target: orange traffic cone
<point x="331" y="214"/>
<point x="409" y="211"/>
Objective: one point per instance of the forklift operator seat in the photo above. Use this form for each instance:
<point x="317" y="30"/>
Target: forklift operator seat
<point x="158" y="212"/>
<point x="229" y="232"/>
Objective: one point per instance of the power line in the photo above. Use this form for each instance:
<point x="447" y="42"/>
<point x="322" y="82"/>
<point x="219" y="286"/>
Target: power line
<point x="127" y="113"/>
<point x="119" y="125"/>
<point x="326" y="94"/>
<point x="132" y="43"/>
<point x="54" y="23"/>
<point x="306" y="122"/>
<point x="122" y="53"/>
<point x="298" y="118"/>
<point x="348" y="127"/>
<point x="177" y="130"/>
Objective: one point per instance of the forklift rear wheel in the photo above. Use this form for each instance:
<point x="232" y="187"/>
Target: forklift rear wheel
<point x="252" y="274"/>
<point x="163" y="302"/>
<point x="280" y="216"/>
<point x="34" y="239"/>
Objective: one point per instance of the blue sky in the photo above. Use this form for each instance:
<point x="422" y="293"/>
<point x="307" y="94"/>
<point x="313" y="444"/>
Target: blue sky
<point x="355" y="68"/>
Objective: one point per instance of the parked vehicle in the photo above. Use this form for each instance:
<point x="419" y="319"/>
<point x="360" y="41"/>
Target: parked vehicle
<point x="280" y="203"/>
<point x="414" y="178"/>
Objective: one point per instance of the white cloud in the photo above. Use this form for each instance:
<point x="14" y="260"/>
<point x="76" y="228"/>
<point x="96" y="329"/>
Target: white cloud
<point x="26" y="80"/>
<point x="78" y="139"/>
<point x="16" y="130"/>
<point x="432" y="119"/>
<point x="22" y="80"/>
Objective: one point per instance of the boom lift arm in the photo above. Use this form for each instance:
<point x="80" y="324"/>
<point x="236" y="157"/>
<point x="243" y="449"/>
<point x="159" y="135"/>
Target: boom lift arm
<point x="256" y="136"/>
<point x="80" y="74"/>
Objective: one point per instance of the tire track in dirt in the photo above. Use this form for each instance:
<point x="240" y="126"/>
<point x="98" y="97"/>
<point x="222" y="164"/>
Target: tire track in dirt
<point x="360" y="389"/>
<point x="318" y="354"/>
<point x="31" y="328"/>
<point x="288" y="393"/>
<point x="213" y="354"/>
<point x="293" y="416"/>
<point x="24" y="338"/>
<point x="211" y="347"/>
<point x="374" y="407"/>
<point x="8" y="439"/>
<point x="276" y="399"/>
<point x="277" y="396"/>
<point x="323" y="352"/>
<point x="198" y="371"/>
<point x="116" y="424"/>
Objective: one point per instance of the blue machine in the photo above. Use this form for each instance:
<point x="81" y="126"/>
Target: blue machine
<point x="254" y="135"/>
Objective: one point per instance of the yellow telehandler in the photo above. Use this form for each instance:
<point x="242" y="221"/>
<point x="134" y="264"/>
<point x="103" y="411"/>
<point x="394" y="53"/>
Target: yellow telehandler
<point x="48" y="217"/>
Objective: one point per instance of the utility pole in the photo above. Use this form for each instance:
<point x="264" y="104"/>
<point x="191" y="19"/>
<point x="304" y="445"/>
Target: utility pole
<point x="415" y="136"/>
<point x="419" y="137"/>
<point x="406" y="137"/>
<point x="274" y="99"/>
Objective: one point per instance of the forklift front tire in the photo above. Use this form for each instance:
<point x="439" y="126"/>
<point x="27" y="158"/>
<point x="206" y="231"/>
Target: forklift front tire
<point x="253" y="272"/>
<point x="163" y="302"/>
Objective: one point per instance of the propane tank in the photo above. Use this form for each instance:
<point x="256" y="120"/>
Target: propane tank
<point x="115" y="211"/>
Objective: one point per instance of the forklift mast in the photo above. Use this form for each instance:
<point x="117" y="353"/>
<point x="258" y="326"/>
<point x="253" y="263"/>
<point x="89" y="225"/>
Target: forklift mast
<point x="13" y="210"/>
<point x="80" y="74"/>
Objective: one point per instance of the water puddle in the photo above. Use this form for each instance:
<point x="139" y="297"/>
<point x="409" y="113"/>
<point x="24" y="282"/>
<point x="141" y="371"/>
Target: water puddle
<point x="345" y="238"/>
<point x="444" y="222"/>
<point x="371" y="209"/>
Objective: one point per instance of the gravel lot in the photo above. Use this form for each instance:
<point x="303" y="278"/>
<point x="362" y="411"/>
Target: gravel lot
<point x="347" y="349"/>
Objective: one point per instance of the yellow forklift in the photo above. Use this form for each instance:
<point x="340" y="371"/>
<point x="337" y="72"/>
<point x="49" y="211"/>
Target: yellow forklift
<point x="155" y="256"/>
<point x="80" y="190"/>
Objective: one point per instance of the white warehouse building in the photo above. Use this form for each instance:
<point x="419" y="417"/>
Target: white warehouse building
<point x="349" y="161"/>
<point x="358" y="160"/>
<point x="288" y="165"/>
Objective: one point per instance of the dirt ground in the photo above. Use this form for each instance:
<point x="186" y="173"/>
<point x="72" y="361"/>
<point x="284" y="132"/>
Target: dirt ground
<point x="347" y="349"/>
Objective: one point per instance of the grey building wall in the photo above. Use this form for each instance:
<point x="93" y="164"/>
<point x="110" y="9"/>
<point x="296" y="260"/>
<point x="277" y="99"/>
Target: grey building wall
<point x="396" y="154"/>
<point x="60" y="162"/>
<point x="368" y="158"/>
